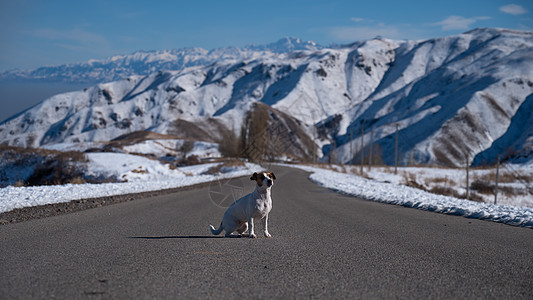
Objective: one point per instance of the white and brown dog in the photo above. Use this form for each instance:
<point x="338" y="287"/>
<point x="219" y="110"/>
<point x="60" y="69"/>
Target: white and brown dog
<point x="256" y="205"/>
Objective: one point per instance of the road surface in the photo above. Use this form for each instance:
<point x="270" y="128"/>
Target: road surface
<point x="324" y="245"/>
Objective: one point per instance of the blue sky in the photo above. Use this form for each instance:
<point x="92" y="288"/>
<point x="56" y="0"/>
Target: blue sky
<point x="36" y="33"/>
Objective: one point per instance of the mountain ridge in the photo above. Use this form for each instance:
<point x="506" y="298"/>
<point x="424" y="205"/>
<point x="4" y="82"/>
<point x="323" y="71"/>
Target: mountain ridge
<point x="145" y="62"/>
<point x="453" y="98"/>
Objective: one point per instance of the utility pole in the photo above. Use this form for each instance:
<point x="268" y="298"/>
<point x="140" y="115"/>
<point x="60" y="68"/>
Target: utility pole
<point x="332" y="156"/>
<point x="497" y="175"/>
<point x="362" y="148"/>
<point x="370" y="153"/>
<point x="351" y="146"/>
<point x="314" y="145"/>
<point x="396" y="152"/>
<point x="314" y="152"/>
<point x="467" y="178"/>
<point x="315" y="133"/>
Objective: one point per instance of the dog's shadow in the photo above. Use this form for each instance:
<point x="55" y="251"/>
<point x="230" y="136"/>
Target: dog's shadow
<point x="168" y="237"/>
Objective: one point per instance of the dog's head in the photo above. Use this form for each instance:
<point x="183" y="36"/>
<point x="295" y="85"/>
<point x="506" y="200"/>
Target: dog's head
<point x="264" y="179"/>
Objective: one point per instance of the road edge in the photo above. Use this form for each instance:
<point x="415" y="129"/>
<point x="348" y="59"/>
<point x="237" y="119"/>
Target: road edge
<point x="50" y="210"/>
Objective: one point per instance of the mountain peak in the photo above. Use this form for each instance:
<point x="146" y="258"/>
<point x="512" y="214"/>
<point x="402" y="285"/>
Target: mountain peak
<point x="289" y="44"/>
<point x="286" y="44"/>
<point x="451" y="96"/>
<point x="145" y="62"/>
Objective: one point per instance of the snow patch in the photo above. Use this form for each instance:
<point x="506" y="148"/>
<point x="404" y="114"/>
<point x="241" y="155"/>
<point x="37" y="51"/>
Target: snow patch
<point x="142" y="175"/>
<point x="393" y="193"/>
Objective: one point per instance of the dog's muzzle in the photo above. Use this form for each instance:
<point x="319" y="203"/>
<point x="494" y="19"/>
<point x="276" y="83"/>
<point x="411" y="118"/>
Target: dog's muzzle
<point x="269" y="182"/>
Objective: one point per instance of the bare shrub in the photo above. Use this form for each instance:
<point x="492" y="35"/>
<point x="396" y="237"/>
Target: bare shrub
<point x="507" y="177"/>
<point x="47" y="167"/>
<point x="440" y="181"/>
<point x="228" y="145"/>
<point x="482" y="187"/>
<point x="186" y="147"/>
<point x="409" y="179"/>
<point x="188" y="161"/>
<point x="408" y="176"/>
<point x="252" y="134"/>
<point x="475" y="197"/>
<point x="268" y="134"/>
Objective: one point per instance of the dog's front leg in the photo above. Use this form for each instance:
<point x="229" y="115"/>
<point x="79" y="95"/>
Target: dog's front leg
<point x="265" y="227"/>
<point x="251" y="227"/>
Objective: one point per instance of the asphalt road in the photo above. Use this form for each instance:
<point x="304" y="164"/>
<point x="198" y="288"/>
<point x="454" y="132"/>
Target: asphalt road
<point x="324" y="245"/>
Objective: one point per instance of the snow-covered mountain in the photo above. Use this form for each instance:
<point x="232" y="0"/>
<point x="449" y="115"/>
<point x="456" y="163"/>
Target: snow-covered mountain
<point x="146" y="62"/>
<point x="469" y="95"/>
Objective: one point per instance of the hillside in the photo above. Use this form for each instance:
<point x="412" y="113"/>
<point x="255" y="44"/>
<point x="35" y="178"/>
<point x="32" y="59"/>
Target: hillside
<point x="451" y="97"/>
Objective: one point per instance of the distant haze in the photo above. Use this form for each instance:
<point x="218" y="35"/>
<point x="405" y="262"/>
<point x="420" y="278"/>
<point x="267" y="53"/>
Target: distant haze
<point x="17" y="96"/>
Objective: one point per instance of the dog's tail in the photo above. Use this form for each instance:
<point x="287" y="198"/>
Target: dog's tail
<point x="216" y="231"/>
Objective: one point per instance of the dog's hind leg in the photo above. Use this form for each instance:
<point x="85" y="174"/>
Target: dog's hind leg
<point x="242" y="228"/>
<point x="230" y="228"/>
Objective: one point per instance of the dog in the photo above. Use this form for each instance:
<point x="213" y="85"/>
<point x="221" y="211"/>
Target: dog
<point x="256" y="205"/>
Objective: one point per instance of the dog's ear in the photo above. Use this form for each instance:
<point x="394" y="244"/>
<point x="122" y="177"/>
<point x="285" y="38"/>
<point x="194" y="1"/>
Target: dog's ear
<point x="272" y="175"/>
<point x="254" y="176"/>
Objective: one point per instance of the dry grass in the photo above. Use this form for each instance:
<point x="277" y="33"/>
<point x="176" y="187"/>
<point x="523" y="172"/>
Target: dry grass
<point x="77" y="180"/>
<point x="475" y="197"/>
<point x="228" y="164"/>
<point x="445" y="181"/>
<point x="139" y="170"/>
<point x="10" y="152"/>
<point x="19" y="183"/>
<point x="446" y="191"/>
<point x="138" y="137"/>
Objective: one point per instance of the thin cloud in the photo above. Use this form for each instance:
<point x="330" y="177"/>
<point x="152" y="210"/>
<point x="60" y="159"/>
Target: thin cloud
<point x="357" y="20"/>
<point x="458" y="22"/>
<point x="513" y="9"/>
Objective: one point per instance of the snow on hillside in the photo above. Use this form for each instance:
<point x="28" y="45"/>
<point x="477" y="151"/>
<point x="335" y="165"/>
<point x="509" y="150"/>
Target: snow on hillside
<point x="172" y="146"/>
<point x="393" y="193"/>
<point x="168" y="147"/>
<point x="142" y="175"/>
<point x="452" y="98"/>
